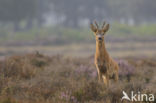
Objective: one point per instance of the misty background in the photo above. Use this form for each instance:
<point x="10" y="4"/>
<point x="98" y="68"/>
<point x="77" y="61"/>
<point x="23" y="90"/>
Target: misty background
<point x="52" y="26"/>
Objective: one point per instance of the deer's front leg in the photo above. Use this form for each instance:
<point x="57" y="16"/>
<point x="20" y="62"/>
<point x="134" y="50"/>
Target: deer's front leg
<point x="105" y="75"/>
<point x="105" y="79"/>
<point x="99" y="73"/>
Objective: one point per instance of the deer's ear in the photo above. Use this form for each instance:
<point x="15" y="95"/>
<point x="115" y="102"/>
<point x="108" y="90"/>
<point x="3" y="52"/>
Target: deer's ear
<point x="93" y="28"/>
<point x="106" y="28"/>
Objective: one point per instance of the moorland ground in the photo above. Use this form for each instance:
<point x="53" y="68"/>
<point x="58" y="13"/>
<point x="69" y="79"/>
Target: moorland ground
<point x="35" y="78"/>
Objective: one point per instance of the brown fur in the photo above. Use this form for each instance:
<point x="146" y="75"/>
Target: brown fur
<point x="106" y="67"/>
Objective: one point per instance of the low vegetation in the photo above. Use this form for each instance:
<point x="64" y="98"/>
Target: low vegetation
<point x="62" y="35"/>
<point x="36" y="78"/>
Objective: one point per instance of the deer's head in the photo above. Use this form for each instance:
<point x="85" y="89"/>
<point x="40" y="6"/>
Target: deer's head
<point x="99" y="32"/>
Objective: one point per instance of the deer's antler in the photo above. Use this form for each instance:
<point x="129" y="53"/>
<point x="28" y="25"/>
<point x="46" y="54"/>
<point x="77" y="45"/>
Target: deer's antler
<point x="103" y="24"/>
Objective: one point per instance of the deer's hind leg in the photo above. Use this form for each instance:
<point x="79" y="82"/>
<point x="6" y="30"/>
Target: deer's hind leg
<point x="116" y="74"/>
<point x="116" y="77"/>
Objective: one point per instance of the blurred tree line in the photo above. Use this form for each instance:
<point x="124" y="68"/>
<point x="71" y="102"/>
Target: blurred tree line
<point x="15" y="11"/>
<point x="72" y="12"/>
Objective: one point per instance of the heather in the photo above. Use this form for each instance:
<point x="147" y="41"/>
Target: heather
<point x="37" y="78"/>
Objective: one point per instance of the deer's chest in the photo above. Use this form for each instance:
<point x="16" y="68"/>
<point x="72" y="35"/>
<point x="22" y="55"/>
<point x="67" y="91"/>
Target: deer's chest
<point x="101" y="64"/>
<point x="100" y="60"/>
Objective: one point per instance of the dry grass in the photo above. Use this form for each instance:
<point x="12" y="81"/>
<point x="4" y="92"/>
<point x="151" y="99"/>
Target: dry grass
<point x="35" y="78"/>
<point x="116" y="49"/>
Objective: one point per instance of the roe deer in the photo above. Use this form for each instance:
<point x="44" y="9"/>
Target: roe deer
<point x="106" y="67"/>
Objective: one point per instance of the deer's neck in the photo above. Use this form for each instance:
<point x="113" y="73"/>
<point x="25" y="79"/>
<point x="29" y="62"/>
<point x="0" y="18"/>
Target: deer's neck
<point x="101" y="49"/>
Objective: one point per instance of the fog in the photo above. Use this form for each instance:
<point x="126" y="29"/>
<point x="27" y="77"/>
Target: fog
<point x="75" y="13"/>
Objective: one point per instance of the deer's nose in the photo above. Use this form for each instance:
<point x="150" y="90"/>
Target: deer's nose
<point x="100" y="38"/>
